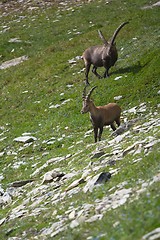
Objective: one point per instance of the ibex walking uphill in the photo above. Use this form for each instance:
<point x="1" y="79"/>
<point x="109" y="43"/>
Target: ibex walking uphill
<point x="101" y="56"/>
<point x="102" y="115"/>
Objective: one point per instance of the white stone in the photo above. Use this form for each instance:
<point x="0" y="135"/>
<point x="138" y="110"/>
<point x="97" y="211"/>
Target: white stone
<point x="2" y="221"/>
<point x="74" y="224"/>
<point x="54" y="106"/>
<point x="153" y="235"/>
<point x="132" y="110"/>
<point x="72" y="215"/>
<point x="117" y="78"/>
<point x="95" y="218"/>
<point x="75" y="184"/>
<point x="13" y="62"/>
<point x="117" y="98"/>
<point x="2" y="154"/>
<point x="151" y="144"/>
<point x="25" y="139"/>
<point x="15" y="40"/>
<point x="5" y="199"/>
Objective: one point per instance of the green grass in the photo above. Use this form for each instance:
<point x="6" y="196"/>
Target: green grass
<point x="30" y="88"/>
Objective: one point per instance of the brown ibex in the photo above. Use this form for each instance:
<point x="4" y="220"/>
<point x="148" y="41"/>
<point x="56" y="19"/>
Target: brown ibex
<point x="101" y="56"/>
<point x="102" y="115"/>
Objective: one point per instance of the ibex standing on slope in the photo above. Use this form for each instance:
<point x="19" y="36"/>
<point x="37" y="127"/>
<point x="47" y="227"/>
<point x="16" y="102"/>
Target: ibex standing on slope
<point x="101" y="56"/>
<point x="102" y="115"/>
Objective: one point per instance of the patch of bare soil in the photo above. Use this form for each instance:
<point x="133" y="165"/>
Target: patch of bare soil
<point x="10" y="6"/>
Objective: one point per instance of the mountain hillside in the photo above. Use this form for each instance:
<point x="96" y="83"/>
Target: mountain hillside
<point x="55" y="182"/>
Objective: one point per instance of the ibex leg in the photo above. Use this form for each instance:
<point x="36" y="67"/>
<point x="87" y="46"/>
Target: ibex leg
<point x="113" y="127"/>
<point x="106" y="74"/>
<point x="118" y="122"/>
<point x="87" y="72"/>
<point x="94" y="70"/>
<point x="95" y="133"/>
<point x="100" y="133"/>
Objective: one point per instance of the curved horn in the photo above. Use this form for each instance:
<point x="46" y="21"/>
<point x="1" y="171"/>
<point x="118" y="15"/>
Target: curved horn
<point x="84" y="93"/>
<point x="116" y="32"/>
<point x="90" y="92"/>
<point x="102" y="37"/>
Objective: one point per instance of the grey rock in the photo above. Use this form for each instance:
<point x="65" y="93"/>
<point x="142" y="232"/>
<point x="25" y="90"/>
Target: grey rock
<point x="124" y="127"/>
<point x="97" y="179"/>
<point x="2" y="221"/>
<point x="113" y="201"/>
<point x="13" y="62"/>
<point x="129" y="149"/>
<point x="95" y="218"/>
<point x="98" y="154"/>
<point x="151" y="144"/>
<point x="54" y="106"/>
<point x="15" y="40"/>
<point x="153" y="235"/>
<point x="2" y="154"/>
<point x="72" y="215"/>
<point x="132" y="110"/>
<point x="61" y="229"/>
<point x="118" y="138"/>
<point x="117" y="98"/>
<point x="25" y="139"/>
<point x="5" y="199"/>
<point x="103" y="177"/>
<point x="1" y="191"/>
<point x="51" y="175"/>
<point x="21" y="183"/>
<point x="117" y="78"/>
<point x="75" y="223"/>
<point x="157" y="4"/>
<point x="14" y="192"/>
<point x="74" y="184"/>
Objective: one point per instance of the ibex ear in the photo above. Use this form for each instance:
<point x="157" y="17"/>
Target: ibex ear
<point x="102" y="37"/>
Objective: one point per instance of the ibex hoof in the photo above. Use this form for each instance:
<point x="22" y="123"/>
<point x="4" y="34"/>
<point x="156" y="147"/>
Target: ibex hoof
<point x="106" y="76"/>
<point x="87" y="83"/>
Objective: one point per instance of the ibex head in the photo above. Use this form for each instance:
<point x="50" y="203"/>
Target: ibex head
<point x="86" y="100"/>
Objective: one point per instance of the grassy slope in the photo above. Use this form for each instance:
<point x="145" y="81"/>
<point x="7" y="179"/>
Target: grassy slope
<point x="47" y="73"/>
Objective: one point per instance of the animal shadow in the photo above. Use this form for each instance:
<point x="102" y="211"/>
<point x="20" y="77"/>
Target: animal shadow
<point x="130" y="69"/>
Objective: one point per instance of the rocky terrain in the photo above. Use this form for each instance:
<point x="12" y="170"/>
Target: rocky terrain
<point x="32" y="196"/>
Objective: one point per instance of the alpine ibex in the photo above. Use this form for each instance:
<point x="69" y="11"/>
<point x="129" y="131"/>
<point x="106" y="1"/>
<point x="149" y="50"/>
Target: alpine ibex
<point x="101" y="56"/>
<point x="102" y="115"/>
